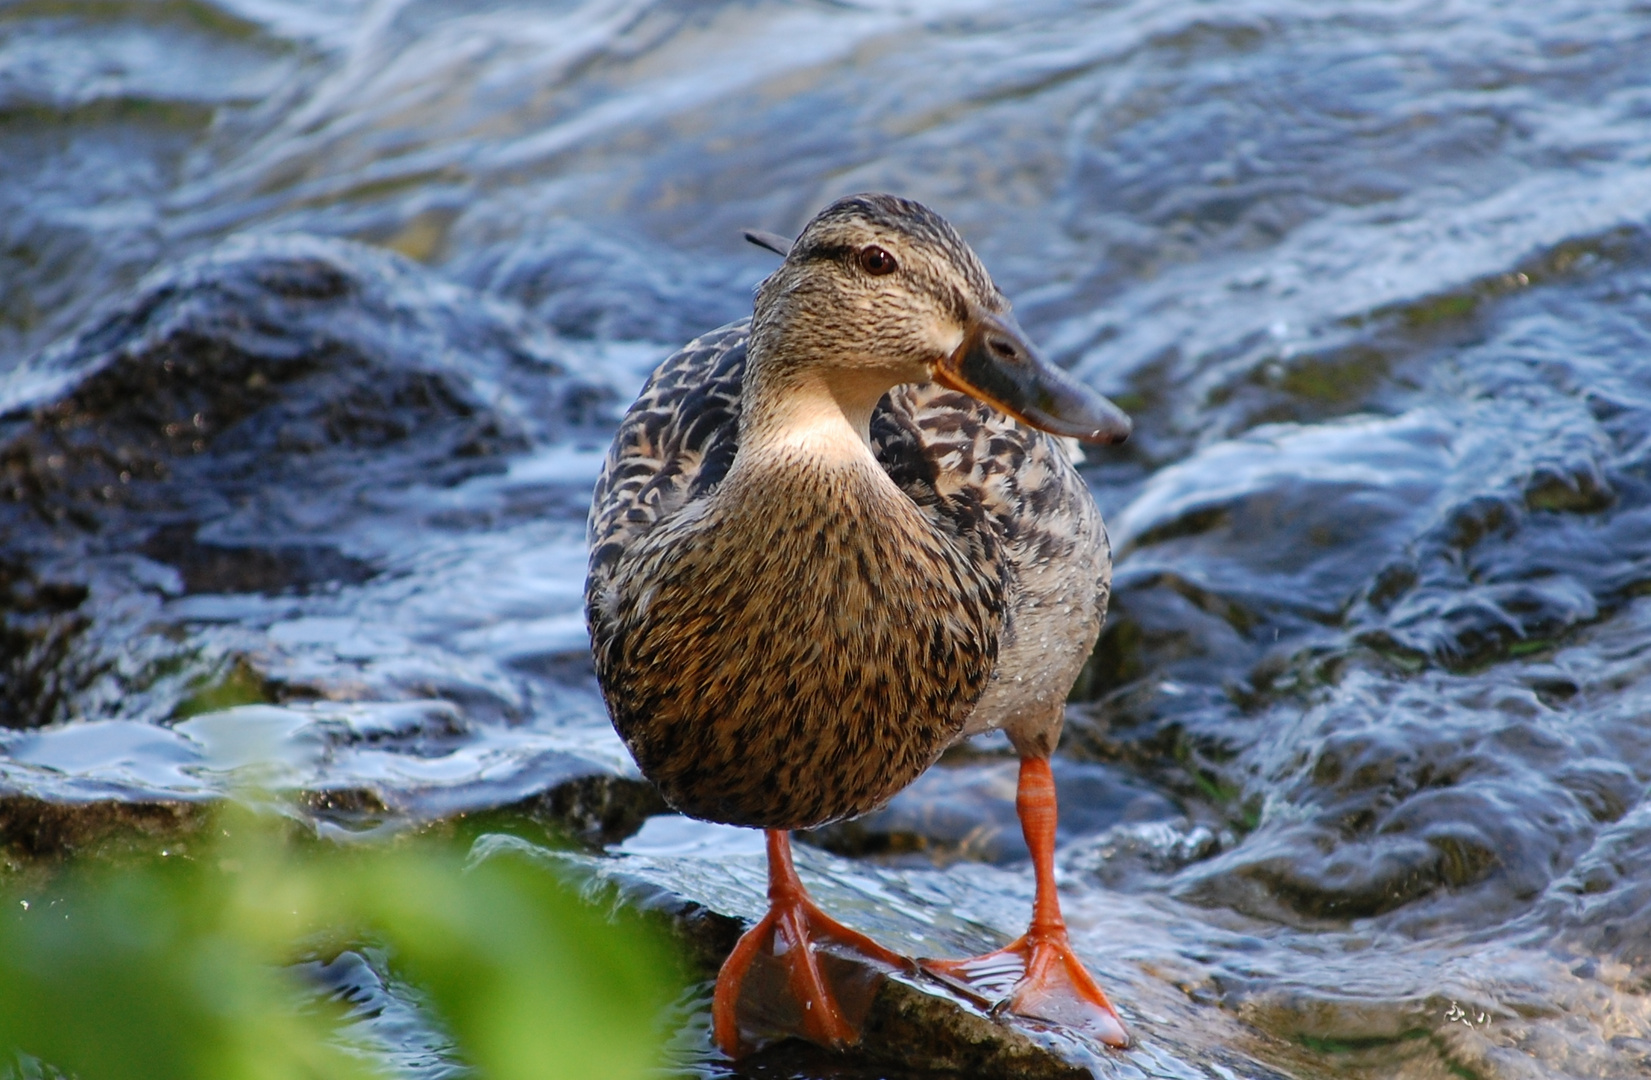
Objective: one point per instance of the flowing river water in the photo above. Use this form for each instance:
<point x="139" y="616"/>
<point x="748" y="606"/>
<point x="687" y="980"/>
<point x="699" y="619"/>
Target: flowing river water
<point x="316" y="318"/>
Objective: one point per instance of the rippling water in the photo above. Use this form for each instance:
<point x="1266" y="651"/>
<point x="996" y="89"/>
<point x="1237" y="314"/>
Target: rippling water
<point x="316" y="317"/>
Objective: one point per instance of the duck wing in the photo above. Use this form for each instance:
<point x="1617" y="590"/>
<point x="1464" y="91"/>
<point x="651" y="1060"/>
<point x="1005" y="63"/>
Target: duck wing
<point x="1009" y="493"/>
<point x="674" y="444"/>
<point x="965" y="459"/>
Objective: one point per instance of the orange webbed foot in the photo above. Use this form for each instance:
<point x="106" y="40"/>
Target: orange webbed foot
<point x="822" y="1008"/>
<point x="1037" y="976"/>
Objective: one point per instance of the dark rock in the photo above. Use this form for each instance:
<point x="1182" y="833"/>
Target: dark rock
<point x="219" y="568"/>
<point x="34" y="829"/>
<point x="41" y="667"/>
<point x="598" y="810"/>
<point x="291" y="362"/>
<point x="230" y="420"/>
<point x="907" y="1027"/>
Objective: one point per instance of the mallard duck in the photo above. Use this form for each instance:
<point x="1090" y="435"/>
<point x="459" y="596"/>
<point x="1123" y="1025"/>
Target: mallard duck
<point x="833" y="539"/>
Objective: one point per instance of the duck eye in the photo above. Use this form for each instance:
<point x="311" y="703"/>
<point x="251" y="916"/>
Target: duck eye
<point x="874" y="260"/>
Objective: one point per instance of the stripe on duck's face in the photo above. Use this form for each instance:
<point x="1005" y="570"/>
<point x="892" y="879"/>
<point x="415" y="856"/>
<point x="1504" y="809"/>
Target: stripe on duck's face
<point x="884" y="288"/>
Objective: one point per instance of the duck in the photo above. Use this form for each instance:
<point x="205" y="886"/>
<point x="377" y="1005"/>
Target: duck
<point x="829" y="541"/>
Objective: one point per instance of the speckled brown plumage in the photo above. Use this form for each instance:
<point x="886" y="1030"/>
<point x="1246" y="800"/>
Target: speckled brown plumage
<point x="785" y="637"/>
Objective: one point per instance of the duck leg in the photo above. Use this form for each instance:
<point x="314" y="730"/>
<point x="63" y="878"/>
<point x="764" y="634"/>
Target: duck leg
<point x="1051" y="983"/>
<point x="788" y="934"/>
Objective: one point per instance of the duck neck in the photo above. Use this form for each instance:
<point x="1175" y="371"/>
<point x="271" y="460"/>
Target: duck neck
<point x="805" y="417"/>
<point x="795" y="412"/>
<point x="799" y="402"/>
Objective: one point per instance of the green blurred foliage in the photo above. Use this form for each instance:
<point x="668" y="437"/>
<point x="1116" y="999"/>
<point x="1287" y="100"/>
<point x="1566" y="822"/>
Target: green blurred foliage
<point x="239" y="684"/>
<point x="180" y="970"/>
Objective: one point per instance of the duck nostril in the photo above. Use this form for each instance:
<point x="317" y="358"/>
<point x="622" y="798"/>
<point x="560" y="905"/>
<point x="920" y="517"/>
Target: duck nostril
<point x="1003" y="347"/>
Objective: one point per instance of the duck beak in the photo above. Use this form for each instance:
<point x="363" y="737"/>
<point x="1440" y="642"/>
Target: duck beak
<point x="996" y="364"/>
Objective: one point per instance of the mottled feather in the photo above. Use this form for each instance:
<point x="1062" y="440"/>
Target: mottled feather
<point x="1007" y="507"/>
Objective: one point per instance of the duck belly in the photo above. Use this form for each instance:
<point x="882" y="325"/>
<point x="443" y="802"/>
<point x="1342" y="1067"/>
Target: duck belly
<point x="796" y="657"/>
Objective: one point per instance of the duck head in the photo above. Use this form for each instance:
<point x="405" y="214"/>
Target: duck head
<point x="879" y="291"/>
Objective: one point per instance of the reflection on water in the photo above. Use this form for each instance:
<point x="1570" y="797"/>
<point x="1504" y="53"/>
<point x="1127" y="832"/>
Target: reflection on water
<point x="1356" y="784"/>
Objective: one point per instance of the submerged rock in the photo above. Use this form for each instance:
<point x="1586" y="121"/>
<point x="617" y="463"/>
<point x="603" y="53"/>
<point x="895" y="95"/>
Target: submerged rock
<point x="223" y="431"/>
<point x="1367" y="641"/>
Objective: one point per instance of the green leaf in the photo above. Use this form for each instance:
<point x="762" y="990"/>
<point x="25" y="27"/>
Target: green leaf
<point x="180" y="969"/>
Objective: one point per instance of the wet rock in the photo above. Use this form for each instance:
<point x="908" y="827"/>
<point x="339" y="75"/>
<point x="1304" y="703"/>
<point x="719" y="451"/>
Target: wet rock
<point x="945" y="1035"/>
<point x="1388" y="810"/>
<point x="292" y="363"/>
<point x="347" y="770"/>
<point x="708" y="882"/>
<point x="218" y="431"/>
<point x="40" y="668"/>
<point x="33" y="828"/>
<point x="217" y="568"/>
<point x="598" y="810"/>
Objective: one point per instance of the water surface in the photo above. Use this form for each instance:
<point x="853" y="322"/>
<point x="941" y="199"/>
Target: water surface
<point x="317" y="318"/>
